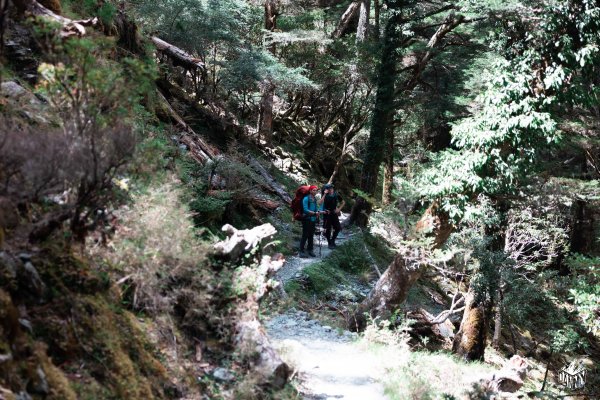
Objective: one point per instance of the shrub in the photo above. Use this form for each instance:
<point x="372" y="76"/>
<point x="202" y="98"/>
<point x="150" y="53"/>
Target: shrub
<point x="536" y="237"/>
<point x="220" y="190"/>
<point x="75" y="164"/>
<point x="585" y="290"/>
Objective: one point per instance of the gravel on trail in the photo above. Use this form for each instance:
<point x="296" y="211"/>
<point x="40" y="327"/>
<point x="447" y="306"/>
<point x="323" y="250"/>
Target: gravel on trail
<point x="329" y="363"/>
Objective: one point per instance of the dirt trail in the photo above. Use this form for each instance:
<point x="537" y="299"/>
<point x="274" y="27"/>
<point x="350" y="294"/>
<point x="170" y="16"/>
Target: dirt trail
<point x="328" y="362"/>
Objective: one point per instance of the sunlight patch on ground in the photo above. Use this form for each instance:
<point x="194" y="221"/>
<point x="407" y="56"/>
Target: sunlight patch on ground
<point x="328" y="362"/>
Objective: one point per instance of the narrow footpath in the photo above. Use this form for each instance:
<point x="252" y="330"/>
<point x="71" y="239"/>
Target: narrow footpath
<point x="328" y="363"/>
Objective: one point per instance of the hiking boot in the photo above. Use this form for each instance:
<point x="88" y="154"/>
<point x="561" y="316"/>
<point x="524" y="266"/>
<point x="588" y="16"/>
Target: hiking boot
<point x="310" y="253"/>
<point x="302" y="254"/>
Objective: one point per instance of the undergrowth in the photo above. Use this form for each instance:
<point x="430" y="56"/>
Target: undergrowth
<point x="418" y="375"/>
<point x="352" y="260"/>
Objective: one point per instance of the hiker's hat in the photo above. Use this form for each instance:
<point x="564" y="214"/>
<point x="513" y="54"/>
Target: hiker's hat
<point x="312" y="187"/>
<point x="328" y="186"/>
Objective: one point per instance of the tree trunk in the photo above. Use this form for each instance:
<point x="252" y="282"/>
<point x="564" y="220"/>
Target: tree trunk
<point x="363" y="21"/>
<point x="265" y="121"/>
<point x="384" y="105"/>
<point x="390" y="291"/>
<point x="265" y="118"/>
<point x="469" y="342"/>
<point x="359" y="214"/>
<point x="498" y="322"/>
<point x="252" y="283"/>
<point x="128" y="32"/>
<point x="3" y="13"/>
<point x="392" y="288"/>
<point x="377" y="9"/>
<point x="351" y="13"/>
<point x="388" y="177"/>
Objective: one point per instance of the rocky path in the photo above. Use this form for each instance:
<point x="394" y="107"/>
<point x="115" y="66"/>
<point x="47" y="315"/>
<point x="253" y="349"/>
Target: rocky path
<point x="328" y="362"/>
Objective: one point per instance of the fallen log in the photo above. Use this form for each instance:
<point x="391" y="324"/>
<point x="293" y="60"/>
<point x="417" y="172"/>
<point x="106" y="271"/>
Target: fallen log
<point x="252" y="283"/>
<point x="264" y="204"/>
<point x="241" y="241"/>
<point x="69" y="27"/>
<point x="199" y="149"/>
<point x="426" y="324"/>
<point x="392" y="288"/>
<point x="275" y="186"/>
<point x="508" y="380"/>
<point x="179" y="56"/>
<point x="251" y="340"/>
<point x="222" y="124"/>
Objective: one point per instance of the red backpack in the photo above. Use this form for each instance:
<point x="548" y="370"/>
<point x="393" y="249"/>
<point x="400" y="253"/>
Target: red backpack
<point x="297" y="211"/>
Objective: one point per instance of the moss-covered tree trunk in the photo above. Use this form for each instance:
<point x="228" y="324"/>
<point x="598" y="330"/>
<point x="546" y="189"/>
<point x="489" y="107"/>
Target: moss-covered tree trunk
<point x="384" y="106"/>
<point x="392" y="288"/>
<point x="377" y="10"/>
<point x="3" y="22"/>
<point x="469" y="342"/>
<point x="388" y="175"/>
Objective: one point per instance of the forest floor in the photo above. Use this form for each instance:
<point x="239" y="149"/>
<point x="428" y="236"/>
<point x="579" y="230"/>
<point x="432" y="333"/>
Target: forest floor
<point x="328" y="362"/>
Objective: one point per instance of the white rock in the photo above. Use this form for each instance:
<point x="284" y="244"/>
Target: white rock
<point x="12" y="89"/>
<point x="223" y="375"/>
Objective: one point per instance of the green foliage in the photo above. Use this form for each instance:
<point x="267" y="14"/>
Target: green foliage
<point x="585" y="290"/>
<point x="209" y="208"/>
<point x="500" y="143"/>
<point x="104" y="10"/>
<point x="107" y="12"/>
<point x="529" y="307"/>
<point x="487" y="160"/>
<point x="567" y="340"/>
<point x="323" y="276"/>
<point x="220" y="32"/>
<point x="82" y="82"/>
<point x="218" y="191"/>
<point x="351" y="256"/>
<point x="252" y="67"/>
<point x="348" y="261"/>
<point x="364" y="195"/>
<point x="93" y="100"/>
<point x="199" y="25"/>
<point x="425" y="375"/>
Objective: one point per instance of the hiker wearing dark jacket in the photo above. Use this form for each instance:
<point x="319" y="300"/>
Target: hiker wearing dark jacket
<point x="332" y="204"/>
<point x="310" y="213"/>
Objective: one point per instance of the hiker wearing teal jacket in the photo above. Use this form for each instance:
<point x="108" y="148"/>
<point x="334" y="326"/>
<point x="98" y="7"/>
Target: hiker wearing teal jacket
<point x="310" y="214"/>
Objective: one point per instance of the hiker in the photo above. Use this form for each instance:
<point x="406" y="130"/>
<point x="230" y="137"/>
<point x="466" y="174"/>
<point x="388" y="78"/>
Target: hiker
<point x="310" y="214"/>
<point x="331" y="220"/>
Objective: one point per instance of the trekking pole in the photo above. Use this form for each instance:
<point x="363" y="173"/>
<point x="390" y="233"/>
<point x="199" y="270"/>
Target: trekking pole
<point x="320" y="247"/>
